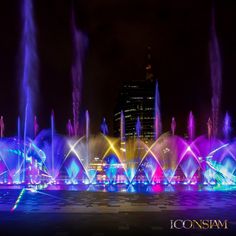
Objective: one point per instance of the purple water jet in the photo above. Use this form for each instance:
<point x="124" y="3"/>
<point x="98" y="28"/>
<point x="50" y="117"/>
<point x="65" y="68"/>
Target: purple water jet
<point x="18" y="146"/>
<point x="69" y="128"/>
<point x="2" y="126"/>
<point x="87" y="138"/>
<point x="173" y="126"/>
<point x="191" y="126"/>
<point x="52" y="143"/>
<point x="79" y="44"/>
<point x="87" y="120"/>
<point x="36" y="126"/>
<point x="227" y="126"/>
<point x="157" y="124"/>
<point x="209" y="128"/>
<point x="216" y="75"/>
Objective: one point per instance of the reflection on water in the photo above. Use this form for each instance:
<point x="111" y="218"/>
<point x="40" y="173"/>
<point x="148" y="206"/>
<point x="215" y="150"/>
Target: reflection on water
<point x="139" y="188"/>
<point x="115" y="198"/>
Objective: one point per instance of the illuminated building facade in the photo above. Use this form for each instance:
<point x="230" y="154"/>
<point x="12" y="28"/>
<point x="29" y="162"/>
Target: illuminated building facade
<point x="136" y="99"/>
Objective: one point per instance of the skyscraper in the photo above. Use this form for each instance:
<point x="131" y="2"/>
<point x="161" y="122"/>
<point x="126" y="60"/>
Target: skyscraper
<point x="137" y="100"/>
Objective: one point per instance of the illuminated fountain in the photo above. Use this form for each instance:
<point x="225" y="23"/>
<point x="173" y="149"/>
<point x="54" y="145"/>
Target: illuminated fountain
<point x="52" y="158"/>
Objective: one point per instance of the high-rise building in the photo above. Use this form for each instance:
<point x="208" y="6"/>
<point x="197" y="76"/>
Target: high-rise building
<point x="137" y="99"/>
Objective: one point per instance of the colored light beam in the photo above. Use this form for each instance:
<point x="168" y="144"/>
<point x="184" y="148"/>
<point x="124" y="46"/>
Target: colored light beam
<point x="18" y="200"/>
<point x="217" y="149"/>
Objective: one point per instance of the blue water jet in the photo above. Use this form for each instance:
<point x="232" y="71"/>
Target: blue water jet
<point x="29" y="69"/>
<point x="138" y="128"/>
<point x="28" y="75"/>
<point x="104" y="127"/>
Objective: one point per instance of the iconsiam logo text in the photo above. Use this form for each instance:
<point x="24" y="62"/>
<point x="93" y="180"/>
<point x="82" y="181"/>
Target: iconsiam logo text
<point x="198" y="224"/>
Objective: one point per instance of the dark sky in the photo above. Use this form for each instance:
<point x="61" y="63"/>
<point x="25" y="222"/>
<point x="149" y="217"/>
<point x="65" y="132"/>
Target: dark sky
<point x="119" y="32"/>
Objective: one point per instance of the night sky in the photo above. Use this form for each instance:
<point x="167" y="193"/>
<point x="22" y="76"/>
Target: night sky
<point x="119" y="33"/>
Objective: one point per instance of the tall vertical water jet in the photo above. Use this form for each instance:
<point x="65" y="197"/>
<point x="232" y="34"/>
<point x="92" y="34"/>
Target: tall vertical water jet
<point x="227" y="126"/>
<point x="157" y="124"/>
<point x="2" y="126"/>
<point x="138" y="133"/>
<point x="87" y="137"/>
<point x="18" y="129"/>
<point x="69" y="128"/>
<point x="28" y="76"/>
<point x="122" y="136"/>
<point x="36" y="126"/>
<point x="18" y="147"/>
<point x="191" y="126"/>
<point x="122" y="127"/>
<point x="52" y="144"/>
<point x="79" y="45"/>
<point x="29" y="69"/>
<point x="216" y="75"/>
<point x="104" y="127"/>
<point x="138" y="127"/>
<point x="25" y="140"/>
<point x="173" y="126"/>
<point x="209" y="128"/>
